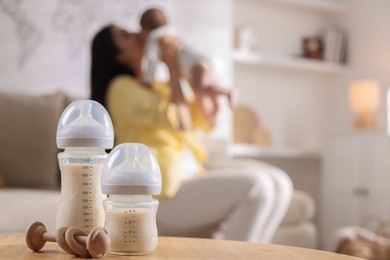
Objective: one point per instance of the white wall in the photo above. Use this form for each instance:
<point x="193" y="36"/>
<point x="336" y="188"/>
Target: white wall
<point x="45" y="44"/>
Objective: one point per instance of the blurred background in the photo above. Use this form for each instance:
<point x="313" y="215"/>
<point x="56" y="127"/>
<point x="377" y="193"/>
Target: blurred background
<point x="295" y="64"/>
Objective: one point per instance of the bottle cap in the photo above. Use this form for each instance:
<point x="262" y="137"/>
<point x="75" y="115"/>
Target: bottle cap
<point x="131" y="169"/>
<point x="85" y="123"/>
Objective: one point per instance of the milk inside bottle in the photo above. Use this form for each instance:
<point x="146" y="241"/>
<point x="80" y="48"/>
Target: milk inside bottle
<point x="131" y="175"/>
<point x="84" y="132"/>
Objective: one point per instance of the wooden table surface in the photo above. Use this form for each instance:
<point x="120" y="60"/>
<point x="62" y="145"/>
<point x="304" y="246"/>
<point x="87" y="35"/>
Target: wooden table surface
<point x="14" y="247"/>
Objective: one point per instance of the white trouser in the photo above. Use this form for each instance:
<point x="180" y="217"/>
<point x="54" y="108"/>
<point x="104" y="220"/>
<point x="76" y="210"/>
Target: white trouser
<point x="239" y="202"/>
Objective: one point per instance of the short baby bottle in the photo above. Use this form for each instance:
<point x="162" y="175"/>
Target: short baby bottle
<point x="131" y="175"/>
<point x="84" y="131"/>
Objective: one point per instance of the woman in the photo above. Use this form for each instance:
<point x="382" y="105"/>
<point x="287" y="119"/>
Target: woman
<point x="232" y="203"/>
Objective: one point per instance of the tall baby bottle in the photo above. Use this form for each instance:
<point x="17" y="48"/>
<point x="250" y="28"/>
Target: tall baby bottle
<point x="131" y="175"/>
<point x="84" y="131"/>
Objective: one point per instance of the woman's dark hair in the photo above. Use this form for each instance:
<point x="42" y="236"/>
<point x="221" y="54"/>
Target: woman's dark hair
<point x="104" y="66"/>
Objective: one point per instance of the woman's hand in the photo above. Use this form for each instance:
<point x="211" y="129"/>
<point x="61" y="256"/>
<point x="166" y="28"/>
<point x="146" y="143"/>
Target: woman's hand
<point x="207" y="102"/>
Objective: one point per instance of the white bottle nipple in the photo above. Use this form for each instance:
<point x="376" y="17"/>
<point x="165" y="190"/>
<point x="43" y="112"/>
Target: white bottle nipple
<point x="132" y="160"/>
<point x="85" y="123"/>
<point x="86" y="117"/>
<point x="132" y="169"/>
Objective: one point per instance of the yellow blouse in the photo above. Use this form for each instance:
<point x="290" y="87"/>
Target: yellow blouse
<point x="146" y="116"/>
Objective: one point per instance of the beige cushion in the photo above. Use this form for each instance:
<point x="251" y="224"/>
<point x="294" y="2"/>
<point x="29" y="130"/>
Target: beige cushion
<point x="28" y="154"/>
<point x="302" y="208"/>
<point x="21" y="207"/>
<point x="304" y="234"/>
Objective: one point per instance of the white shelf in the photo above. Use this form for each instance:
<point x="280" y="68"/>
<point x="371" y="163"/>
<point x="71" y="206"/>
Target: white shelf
<point x="288" y="62"/>
<point x="335" y="6"/>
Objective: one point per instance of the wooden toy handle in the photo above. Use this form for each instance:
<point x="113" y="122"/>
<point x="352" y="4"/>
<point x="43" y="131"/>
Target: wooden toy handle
<point x="73" y="240"/>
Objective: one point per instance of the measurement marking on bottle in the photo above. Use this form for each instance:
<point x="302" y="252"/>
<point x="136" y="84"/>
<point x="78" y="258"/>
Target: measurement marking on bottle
<point x="88" y="198"/>
<point x="128" y="235"/>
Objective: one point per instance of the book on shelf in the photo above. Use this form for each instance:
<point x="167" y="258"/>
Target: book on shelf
<point x="335" y="44"/>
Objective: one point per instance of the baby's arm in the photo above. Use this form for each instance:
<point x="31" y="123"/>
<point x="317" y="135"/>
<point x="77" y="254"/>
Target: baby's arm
<point x="203" y="81"/>
<point x="150" y="59"/>
<point x="149" y="64"/>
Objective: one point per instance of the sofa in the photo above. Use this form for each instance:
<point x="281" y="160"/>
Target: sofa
<point x="30" y="178"/>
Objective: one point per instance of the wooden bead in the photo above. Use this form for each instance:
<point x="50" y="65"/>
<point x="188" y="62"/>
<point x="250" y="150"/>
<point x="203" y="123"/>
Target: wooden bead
<point x="37" y="236"/>
<point x="98" y="242"/>
<point x="77" y="245"/>
<point x="95" y="244"/>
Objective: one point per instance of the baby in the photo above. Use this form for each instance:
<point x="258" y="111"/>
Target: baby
<point x="193" y="65"/>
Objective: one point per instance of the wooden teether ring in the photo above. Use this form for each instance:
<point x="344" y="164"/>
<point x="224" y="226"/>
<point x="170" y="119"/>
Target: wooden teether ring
<point x="98" y="242"/>
<point x="75" y="238"/>
<point x="60" y="237"/>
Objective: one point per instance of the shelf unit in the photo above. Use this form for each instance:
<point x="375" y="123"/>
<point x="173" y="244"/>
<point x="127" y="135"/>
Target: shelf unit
<point x="288" y="62"/>
<point x="274" y="65"/>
